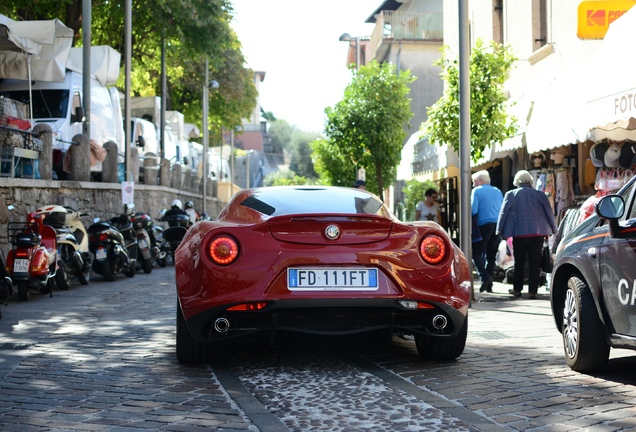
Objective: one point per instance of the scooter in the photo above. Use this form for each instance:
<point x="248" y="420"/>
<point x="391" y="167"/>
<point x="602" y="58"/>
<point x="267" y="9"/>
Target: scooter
<point x="72" y="244"/>
<point x="114" y="250"/>
<point x="142" y="224"/>
<point x="32" y="260"/>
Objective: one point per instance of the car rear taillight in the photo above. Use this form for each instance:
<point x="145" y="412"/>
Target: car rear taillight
<point x="433" y="249"/>
<point x="223" y="250"/>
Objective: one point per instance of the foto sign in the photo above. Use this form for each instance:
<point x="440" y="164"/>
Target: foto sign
<point x="596" y="16"/>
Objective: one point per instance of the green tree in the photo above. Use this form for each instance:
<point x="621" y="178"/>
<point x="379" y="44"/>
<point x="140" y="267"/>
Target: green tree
<point x="489" y="121"/>
<point x="301" y="154"/>
<point x="284" y="178"/>
<point x="192" y="30"/>
<point x="367" y="127"/>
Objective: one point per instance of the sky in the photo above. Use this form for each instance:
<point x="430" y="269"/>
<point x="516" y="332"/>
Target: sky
<point x="296" y="44"/>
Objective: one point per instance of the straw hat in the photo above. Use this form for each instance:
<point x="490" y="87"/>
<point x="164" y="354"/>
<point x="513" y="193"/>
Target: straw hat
<point x="537" y="159"/>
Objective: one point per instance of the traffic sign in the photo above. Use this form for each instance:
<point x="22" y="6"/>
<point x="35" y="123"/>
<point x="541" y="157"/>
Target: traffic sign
<point x="596" y="16"/>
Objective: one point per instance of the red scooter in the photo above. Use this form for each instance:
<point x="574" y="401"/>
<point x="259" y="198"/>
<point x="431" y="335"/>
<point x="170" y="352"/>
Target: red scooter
<point x="32" y="260"/>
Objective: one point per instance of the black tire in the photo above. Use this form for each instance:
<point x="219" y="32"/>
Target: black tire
<point x="437" y="348"/>
<point x="84" y="276"/>
<point x="63" y="276"/>
<point x="23" y="290"/>
<point x="584" y="343"/>
<point x="146" y="265"/>
<point x="162" y="262"/>
<point x="189" y="351"/>
<point x="107" y="270"/>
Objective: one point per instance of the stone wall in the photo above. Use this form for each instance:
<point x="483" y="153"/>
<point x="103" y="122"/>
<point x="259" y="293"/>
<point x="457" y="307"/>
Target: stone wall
<point x="101" y="200"/>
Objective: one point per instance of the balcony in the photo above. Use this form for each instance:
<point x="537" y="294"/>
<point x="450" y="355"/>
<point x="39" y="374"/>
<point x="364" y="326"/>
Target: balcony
<point x="404" y="26"/>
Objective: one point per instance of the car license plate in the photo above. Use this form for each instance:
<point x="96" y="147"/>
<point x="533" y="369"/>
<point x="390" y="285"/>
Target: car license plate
<point x="20" y="266"/>
<point x="100" y="254"/>
<point x="332" y="279"/>
<point x="143" y="244"/>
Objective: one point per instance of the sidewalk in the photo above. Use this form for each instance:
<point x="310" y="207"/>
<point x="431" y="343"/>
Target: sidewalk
<point x="500" y="292"/>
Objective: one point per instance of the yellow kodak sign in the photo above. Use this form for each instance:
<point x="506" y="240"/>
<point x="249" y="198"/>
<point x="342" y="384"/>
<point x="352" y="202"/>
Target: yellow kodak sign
<point x="596" y="16"/>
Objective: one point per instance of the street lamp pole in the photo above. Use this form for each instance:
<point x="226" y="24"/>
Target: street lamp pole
<point x="204" y="123"/>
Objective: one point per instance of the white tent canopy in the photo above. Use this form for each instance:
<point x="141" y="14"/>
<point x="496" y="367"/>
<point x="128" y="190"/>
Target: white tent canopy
<point x="34" y="49"/>
<point x="610" y="108"/>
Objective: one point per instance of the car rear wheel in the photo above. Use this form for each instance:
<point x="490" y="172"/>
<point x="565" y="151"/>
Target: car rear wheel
<point x="435" y="348"/>
<point x="189" y="351"/>
<point x="584" y="343"/>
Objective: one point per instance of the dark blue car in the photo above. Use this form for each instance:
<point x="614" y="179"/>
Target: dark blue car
<point x="593" y="290"/>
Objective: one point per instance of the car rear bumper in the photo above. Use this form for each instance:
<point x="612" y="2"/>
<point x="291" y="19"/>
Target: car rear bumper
<point x="337" y="317"/>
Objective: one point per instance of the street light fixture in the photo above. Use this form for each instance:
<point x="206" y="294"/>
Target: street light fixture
<point x="346" y="37"/>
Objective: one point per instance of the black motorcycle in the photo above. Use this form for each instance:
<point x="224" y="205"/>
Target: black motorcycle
<point x="114" y="245"/>
<point x="160" y="245"/>
<point x="178" y="225"/>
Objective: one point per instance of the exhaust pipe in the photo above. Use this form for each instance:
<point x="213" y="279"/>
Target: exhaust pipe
<point x="221" y="325"/>
<point x="440" y="322"/>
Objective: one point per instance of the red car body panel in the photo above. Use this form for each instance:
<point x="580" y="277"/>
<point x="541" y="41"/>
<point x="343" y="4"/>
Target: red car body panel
<point x="269" y="244"/>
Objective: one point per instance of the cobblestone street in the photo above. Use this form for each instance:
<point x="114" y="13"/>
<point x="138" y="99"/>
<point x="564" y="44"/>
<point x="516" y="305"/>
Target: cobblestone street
<point x="101" y="358"/>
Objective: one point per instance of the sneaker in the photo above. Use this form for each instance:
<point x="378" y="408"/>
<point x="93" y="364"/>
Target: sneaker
<point x="515" y="293"/>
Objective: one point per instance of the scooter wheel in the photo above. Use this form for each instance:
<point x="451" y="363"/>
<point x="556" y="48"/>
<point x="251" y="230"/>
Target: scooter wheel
<point x="63" y="276"/>
<point x="162" y="261"/>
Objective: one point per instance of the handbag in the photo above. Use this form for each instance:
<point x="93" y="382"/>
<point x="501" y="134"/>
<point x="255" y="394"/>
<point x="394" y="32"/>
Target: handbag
<point x="547" y="265"/>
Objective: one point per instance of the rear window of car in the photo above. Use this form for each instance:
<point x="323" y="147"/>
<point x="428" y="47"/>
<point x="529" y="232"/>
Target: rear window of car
<point x="285" y="201"/>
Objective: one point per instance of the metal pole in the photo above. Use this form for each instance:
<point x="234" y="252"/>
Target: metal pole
<point x="127" y="68"/>
<point x="86" y="65"/>
<point x="357" y="53"/>
<point x="162" y="126"/>
<point x="204" y="124"/>
<point x="464" y="131"/>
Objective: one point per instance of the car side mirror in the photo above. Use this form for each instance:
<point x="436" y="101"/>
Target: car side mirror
<point x="611" y="208"/>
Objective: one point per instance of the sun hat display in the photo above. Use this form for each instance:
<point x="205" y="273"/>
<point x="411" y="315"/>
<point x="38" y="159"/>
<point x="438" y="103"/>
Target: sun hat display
<point x="597" y="154"/>
<point x="628" y="154"/>
<point x="611" y="156"/>
<point x="537" y="159"/>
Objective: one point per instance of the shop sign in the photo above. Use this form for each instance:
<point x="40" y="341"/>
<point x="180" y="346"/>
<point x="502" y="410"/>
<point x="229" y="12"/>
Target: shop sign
<point x="594" y="17"/>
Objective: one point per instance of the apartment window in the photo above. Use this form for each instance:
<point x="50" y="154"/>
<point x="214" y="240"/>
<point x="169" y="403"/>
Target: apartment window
<point x="497" y="21"/>
<point x="539" y="24"/>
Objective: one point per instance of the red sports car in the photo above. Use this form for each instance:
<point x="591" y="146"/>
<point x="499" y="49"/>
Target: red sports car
<point x="320" y="261"/>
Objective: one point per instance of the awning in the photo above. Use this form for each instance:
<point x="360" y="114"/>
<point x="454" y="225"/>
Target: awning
<point x="610" y="108"/>
<point x="556" y="119"/>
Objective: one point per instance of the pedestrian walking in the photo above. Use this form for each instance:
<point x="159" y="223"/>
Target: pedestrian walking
<point x="428" y="209"/>
<point x="485" y="201"/>
<point x="526" y="216"/>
